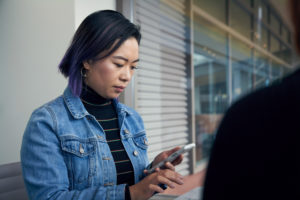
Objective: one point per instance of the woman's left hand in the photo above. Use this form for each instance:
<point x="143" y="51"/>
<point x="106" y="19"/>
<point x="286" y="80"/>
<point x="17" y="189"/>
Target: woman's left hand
<point x="163" y="155"/>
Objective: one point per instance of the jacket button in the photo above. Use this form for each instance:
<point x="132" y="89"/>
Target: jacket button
<point x="99" y="136"/>
<point x="135" y="153"/>
<point x="145" y="142"/>
<point x="126" y="131"/>
<point x="81" y="150"/>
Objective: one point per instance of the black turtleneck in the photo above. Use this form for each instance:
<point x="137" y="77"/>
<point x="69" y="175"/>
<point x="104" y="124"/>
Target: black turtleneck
<point x="105" y="113"/>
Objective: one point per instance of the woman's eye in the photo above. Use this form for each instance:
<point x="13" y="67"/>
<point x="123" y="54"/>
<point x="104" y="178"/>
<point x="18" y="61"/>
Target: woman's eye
<point x="134" y="67"/>
<point x="118" y="65"/>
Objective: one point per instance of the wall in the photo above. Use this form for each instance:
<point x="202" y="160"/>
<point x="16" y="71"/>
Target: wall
<point x="34" y="37"/>
<point x="84" y="7"/>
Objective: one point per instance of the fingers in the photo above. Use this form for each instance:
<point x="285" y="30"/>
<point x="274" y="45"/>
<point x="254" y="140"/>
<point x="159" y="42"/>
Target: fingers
<point x="169" y="178"/>
<point x="155" y="188"/>
<point x="156" y="170"/>
<point x="178" y="160"/>
<point x="150" y="184"/>
<point x="166" y="181"/>
<point x="169" y="165"/>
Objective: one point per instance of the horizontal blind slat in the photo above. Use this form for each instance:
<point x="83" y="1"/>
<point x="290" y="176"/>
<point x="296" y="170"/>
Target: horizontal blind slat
<point x="157" y="96"/>
<point x="166" y="123"/>
<point x="153" y="88"/>
<point x="159" y="61"/>
<point x="162" y="42"/>
<point x="161" y="75"/>
<point x="167" y="130"/>
<point x="150" y="103"/>
<point x="155" y="46"/>
<point x="165" y="55"/>
<point x="168" y="29"/>
<point x="151" y="118"/>
<point x="164" y="110"/>
<point x="156" y="9"/>
<point x="160" y="82"/>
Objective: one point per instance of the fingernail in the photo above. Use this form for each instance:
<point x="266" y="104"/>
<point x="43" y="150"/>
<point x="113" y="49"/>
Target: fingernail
<point x="180" y="182"/>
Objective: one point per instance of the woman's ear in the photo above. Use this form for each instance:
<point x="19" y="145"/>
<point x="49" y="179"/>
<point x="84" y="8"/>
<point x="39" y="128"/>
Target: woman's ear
<point x="86" y="65"/>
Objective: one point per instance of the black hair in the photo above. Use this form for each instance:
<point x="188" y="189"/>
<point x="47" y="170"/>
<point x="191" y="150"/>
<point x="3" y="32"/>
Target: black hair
<point x="101" y="31"/>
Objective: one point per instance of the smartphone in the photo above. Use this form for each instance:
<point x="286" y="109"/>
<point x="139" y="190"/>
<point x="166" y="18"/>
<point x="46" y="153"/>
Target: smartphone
<point x="173" y="156"/>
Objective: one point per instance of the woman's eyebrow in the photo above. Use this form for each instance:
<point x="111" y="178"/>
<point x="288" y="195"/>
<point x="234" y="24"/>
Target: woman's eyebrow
<point x="137" y="60"/>
<point x="125" y="59"/>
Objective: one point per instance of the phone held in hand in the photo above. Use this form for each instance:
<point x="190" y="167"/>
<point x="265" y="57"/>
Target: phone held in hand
<point x="173" y="156"/>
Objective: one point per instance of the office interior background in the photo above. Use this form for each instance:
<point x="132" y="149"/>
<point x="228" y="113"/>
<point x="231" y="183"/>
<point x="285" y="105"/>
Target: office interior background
<point x="197" y="57"/>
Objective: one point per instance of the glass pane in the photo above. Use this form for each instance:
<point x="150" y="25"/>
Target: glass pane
<point x="275" y="24"/>
<point x="210" y="75"/>
<point x="216" y="8"/>
<point x="240" y="20"/>
<point x="285" y="35"/>
<point x="261" y="73"/>
<point x="286" y="53"/>
<point x="275" y="46"/>
<point x="242" y="68"/>
<point x="276" y="71"/>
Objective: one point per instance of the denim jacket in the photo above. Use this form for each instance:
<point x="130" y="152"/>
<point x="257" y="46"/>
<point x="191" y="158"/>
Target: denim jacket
<point x="65" y="155"/>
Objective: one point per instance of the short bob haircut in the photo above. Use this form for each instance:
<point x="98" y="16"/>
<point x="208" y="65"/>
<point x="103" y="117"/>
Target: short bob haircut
<point x="100" y="31"/>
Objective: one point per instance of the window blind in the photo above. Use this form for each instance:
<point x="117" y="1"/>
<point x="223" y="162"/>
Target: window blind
<point x="161" y="83"/>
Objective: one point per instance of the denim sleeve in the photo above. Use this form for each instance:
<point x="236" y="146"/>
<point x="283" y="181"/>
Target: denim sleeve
<point x="44" y="169"/>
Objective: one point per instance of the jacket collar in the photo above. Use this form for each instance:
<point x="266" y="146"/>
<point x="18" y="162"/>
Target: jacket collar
<point x="78" y="110"/>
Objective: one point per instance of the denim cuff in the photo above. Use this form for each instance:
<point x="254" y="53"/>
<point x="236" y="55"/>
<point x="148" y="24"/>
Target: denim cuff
<point x="116" y="192"/>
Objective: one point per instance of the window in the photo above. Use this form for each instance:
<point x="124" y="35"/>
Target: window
<point x="210" y="82"/>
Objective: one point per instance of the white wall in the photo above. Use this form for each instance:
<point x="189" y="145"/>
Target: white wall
<point x="85" y="7"/>
<point x="34" y="36"/>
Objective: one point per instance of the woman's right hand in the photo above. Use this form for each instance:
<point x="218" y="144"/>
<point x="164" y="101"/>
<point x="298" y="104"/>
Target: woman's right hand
<point x="150" y="184"/>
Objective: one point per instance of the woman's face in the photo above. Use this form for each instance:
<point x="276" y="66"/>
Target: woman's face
<point x="110" y="76"/>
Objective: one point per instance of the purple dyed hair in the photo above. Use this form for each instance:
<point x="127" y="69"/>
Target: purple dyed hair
<point x="98" y="32"/>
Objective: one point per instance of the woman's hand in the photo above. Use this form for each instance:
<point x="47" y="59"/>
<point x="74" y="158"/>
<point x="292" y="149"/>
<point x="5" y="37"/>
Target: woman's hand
<point x="163" y="155"/>
<point x="146" y="187"/>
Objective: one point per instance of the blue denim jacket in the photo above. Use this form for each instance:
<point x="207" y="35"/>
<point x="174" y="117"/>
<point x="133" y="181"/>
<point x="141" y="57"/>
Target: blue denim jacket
<point x="65" y="155"/>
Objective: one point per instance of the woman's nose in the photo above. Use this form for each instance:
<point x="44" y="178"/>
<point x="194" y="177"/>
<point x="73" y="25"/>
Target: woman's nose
<point x="126" y="74"/>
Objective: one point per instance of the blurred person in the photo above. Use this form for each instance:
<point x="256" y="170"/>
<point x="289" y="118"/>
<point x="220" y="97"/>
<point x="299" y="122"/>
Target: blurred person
<point x="256" y="152"/>
<point x="85" y="144"/>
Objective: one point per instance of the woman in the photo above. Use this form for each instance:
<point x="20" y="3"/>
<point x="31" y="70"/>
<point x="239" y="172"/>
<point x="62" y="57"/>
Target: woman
<point x="85" y="144"/>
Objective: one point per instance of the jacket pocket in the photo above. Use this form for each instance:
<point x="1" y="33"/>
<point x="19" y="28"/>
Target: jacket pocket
<point x="80" y="155"/>
<point x="140" y="140"/>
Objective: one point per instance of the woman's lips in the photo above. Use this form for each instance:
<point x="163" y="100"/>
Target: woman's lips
<point x="119" y="89"/>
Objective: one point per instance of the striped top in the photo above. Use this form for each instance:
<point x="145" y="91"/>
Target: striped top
<point x="105" y="113"/>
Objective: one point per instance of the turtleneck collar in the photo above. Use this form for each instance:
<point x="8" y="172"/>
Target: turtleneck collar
<point x="90" y="96"/>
